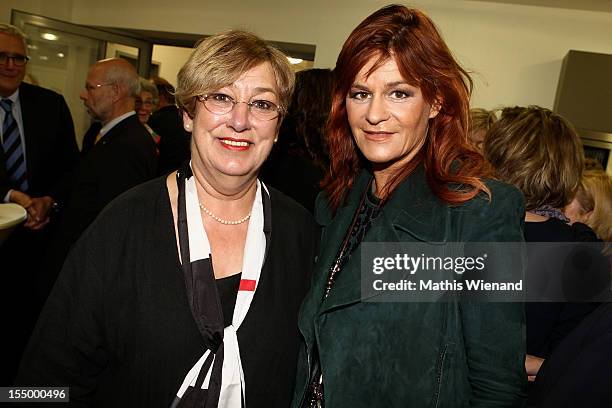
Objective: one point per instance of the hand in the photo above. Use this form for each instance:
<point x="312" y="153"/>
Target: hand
<point x="20" y="198"/>
<point x="532" y="366"/>
<point x="40" y="207"/>
<point x="37" y="208"/>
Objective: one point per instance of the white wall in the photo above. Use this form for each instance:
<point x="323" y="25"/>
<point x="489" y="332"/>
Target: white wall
<point x="514" y="51"/>
<point x="171" y="60"/>
<point x="59" y="9"/>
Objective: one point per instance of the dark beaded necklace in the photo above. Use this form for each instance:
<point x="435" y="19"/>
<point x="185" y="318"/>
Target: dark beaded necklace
<point x="367" y="210"/>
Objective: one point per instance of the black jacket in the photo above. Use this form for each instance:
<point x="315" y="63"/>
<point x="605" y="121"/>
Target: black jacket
<point x="118" y="329"/>
<point x="123" y="158"/>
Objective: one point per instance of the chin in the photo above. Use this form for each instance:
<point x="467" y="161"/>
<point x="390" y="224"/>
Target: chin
<point x="235" y="170"/>
<point x="380" y="157"/>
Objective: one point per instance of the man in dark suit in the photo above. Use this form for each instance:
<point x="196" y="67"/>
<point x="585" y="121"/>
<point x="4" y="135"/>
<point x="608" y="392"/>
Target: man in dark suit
<point x="38" y="151"/>
<point x="120" y="156"/>
<point x="38" y="122"/>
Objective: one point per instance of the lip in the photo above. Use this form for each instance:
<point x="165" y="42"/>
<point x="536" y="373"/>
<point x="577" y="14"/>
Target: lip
<point x="231" y="143"/>
<point x="377" y="135"/>
<point x="11" y="75"/>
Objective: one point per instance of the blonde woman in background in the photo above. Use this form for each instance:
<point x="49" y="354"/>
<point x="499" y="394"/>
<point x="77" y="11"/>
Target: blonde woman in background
<point x="481" y="121"/>
<point x="592" y="205"/>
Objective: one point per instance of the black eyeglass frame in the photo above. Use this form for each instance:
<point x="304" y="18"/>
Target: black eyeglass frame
<point x="18" y="59"/>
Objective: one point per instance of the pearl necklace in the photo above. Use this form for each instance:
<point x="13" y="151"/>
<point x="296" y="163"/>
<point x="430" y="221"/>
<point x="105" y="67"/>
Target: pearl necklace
<point x="221" y="220"/>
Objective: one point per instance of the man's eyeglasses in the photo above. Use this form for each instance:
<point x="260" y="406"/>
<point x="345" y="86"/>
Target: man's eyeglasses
<point x="18" y="59"/>
<point x="220" y="104"/>
<point x="91" y="88"/>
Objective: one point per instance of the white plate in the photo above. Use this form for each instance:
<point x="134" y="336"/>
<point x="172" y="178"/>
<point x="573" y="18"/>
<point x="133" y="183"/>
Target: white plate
<point x="11" y="215"/>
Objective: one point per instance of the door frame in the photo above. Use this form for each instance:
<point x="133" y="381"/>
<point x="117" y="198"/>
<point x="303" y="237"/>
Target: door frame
<point x="145" y="49"/>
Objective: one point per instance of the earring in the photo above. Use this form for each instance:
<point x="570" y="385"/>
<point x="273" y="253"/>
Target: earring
<point x="187" y="126"/>
<point x="276" y="139"/>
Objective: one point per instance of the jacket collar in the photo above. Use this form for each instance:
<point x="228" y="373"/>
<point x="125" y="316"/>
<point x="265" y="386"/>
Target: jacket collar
<point x="413" y="209"/>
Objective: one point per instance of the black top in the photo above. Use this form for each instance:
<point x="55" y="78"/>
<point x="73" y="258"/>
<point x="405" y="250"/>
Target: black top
<point x="227" y="288"/>
<point x="174" y="140"/>
<point x="549" y="323"/>
<point x="118" y="328"/>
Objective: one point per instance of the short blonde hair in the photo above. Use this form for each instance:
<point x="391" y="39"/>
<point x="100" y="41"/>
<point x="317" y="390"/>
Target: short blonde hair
<point x="537" y="151"/>
<point x="595" y="195"/>
<point x="219" y="61"/>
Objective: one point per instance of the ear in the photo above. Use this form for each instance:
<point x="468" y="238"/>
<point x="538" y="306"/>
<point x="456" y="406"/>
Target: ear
<point x="187" y="122"/>
<point x="435" y="108"/>
<point x="118" y="92"/>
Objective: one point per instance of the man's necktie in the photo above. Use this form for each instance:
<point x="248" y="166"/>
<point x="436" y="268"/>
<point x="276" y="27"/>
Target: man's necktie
<point x="13" y="149"/>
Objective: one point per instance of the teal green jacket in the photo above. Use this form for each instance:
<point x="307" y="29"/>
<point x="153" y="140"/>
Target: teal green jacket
<point x="408" y="354"/>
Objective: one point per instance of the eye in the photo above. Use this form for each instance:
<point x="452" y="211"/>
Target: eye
<point x="398" y="95"/>
<point x="359" y="96"/>
<point x="221" y="98"/>
<point x="263" y="105"/>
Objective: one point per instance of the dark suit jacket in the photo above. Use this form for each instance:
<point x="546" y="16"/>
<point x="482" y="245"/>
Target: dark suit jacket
<point x="174" y="140"/>
<point x="123" y="158"/>
<point x="51" y="154"/>
<point x="577" y="373"/>
<point x="51" y="149"/>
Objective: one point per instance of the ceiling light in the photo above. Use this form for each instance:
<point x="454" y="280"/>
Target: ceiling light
<point x="32" y="47"/>
<point x="44" y="57"/>
<point x="49" y="36"/>
<point x="60" y="54"/>
<point x="294" y="60"/>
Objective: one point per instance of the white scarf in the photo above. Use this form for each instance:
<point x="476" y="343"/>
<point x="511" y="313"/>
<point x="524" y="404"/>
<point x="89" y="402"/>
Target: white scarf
<point x="232" y="381"/>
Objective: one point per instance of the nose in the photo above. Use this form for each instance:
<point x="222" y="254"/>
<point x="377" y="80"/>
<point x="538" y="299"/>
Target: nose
<point x="83" y="94"/>
<point x="377" y="111"/>
<point x="239" y="117"/>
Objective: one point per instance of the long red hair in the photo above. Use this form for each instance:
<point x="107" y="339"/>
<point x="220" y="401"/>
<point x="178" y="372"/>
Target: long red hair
<point x="453" y="168"/>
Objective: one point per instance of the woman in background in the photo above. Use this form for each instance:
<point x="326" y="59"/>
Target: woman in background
<point x="540" y="153"/>
<point x="298" y="161"/>
<point x="592" y="205"/>
<point x="402" y="171"/>
<point x="145" y="103"/>
<point x="481" y="121"/>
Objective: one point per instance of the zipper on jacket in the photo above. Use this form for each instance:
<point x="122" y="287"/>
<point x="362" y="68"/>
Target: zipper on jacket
<point x="439" y="373"/>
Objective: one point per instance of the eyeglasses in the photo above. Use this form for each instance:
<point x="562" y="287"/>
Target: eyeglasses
<point x="91" y="88"/>
<point x="220" y="104"/>
<point x="18" y="59"/>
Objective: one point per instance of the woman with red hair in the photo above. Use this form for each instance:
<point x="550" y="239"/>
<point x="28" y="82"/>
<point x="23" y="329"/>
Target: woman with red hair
<point x="402" y="170"/>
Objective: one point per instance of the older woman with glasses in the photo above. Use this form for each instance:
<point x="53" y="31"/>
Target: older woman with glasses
<point x="185" y="291"/>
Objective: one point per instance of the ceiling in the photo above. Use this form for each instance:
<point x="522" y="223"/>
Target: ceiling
<point x="590" y="5"/>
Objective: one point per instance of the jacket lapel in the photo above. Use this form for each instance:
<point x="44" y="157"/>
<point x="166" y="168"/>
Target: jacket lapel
<point x="412" y="214"/>
<point x="31" y="128"/>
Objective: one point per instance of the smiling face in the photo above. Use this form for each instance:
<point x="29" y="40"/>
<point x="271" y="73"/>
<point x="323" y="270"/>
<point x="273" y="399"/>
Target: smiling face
<point x="235" y="143"/>
<point x="10" y="74"/>
<point x="144" y="105"/>
<point x="387" y="116"/>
